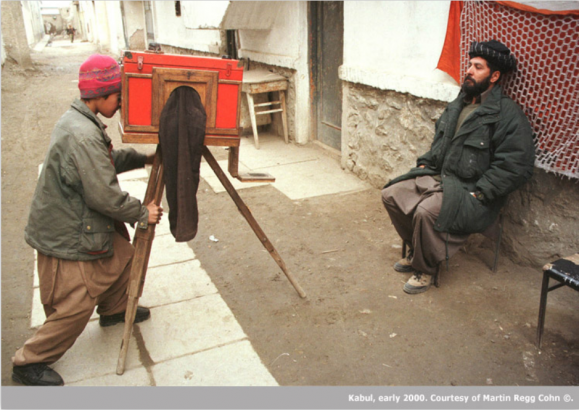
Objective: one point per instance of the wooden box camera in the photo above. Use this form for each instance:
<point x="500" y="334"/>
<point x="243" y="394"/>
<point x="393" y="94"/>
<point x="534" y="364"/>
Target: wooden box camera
<point x="149" y="78"/>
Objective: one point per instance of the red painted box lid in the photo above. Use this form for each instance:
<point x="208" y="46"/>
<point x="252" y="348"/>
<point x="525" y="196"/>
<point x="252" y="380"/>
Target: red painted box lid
<point x="228" y="69"/>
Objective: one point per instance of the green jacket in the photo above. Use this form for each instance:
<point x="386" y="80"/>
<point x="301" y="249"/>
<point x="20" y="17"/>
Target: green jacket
<point x="78" y="197"/>
<point x="492" y="152"/>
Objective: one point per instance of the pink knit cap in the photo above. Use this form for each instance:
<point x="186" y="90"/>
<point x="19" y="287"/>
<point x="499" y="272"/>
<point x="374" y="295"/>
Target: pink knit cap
<point x="99" y="76"/>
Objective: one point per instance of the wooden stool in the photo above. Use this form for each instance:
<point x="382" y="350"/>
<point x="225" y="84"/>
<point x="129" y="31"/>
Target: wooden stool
<point x="262" y="81"/>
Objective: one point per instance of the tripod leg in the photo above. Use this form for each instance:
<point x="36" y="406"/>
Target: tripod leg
<point x="143" y="242"/>
<point x="249" y="217"/>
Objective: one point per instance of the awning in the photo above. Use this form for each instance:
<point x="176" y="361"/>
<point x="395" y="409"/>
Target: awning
<point x="250" y="15"/>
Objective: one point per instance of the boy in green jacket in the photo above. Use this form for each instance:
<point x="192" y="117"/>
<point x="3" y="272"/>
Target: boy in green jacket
<point x="76" y="224"/>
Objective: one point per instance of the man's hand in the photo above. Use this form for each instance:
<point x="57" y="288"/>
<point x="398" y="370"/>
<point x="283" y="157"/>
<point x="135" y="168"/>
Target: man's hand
<point x="149" y="159"/>
<point x="421" y="166"/>
<point x="155" y="213"/>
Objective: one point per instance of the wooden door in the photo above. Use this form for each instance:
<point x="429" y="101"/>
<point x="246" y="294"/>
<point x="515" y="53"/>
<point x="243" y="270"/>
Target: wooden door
<point x="326" y="50"/>
<point x="165" y="80"/>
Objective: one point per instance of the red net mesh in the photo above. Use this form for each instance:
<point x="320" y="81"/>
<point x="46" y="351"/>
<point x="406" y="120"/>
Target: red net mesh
<point x="546" y="84"/>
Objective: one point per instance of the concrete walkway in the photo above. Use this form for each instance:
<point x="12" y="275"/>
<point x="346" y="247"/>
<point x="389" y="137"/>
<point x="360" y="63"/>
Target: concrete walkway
<point x="192" y="338"/>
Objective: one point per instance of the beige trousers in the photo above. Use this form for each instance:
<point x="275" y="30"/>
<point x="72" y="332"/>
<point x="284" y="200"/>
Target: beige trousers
<point x="414" y="206"/>
<point x="69" y="292"/>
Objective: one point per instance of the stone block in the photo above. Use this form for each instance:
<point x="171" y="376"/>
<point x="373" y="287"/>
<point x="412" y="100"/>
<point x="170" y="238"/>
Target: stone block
<point x="134" y="377"/>
<point x="103" y="343"/>
<point x="235" y="364"/>
<point x="188" y="327"/>
<point x="176" y="283"/>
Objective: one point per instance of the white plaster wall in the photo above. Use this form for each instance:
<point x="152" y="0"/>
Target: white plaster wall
<point x="203" y="14"/>
<point x="14" y="33"/>
<point x="115" y="25"/>
<point x="101" y="27"/>
<point x="33" y="21"/>
<point x="88" y="21"/>
<point x="171" y="30"/>
<point x="282" y="44"/>
<point x="3" y="51"/>
<point x="77" y="24"/>
<point x="135" y="21"/>
<point x="107" y="31"/>
<point x="27" y="15"/>
<point x="395" y="45"/>
<point x="134" y="16"/>
<point x="285" y="45"/>
<point x="303" y="104"/>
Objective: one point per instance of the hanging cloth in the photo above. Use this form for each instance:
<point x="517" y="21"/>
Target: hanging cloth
<point x="181" y="136"/>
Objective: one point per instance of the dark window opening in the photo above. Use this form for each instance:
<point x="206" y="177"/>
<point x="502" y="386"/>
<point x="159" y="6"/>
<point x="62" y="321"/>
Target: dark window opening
<point x="232" y="43"/>
<point x="178" y="8"/>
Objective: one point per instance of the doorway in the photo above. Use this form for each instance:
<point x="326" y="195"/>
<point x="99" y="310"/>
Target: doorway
<point x="326" y="26"/>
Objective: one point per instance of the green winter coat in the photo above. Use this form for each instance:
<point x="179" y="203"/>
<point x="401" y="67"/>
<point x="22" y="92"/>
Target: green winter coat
<point x="78" y="196"/>
<point x="492" y="152"/>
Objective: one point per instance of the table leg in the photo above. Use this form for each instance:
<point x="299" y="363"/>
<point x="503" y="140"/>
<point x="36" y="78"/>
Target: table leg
<point x="284" y="115"/>
<point x="253" y="119"/>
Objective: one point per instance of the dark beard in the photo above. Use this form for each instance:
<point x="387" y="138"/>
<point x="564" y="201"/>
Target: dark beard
<point x="472" y="89"/>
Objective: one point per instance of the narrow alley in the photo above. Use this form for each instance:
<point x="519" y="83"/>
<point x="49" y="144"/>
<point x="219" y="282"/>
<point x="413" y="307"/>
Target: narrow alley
<point x="355" y="328"/>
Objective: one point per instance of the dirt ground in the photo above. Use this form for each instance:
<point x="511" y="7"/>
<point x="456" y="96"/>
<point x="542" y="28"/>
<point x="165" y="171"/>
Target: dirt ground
<point x="356" y="326"/>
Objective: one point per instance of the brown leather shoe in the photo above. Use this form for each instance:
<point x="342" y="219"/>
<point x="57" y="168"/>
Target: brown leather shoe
<point x="404" y="265"/>
<point x="418" y="283"/>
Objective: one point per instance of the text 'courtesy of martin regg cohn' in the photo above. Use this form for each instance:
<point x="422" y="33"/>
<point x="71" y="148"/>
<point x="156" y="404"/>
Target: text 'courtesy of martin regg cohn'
<point x="457" y="398"/>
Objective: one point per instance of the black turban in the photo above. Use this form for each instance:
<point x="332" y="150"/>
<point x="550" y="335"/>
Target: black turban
<point x="495" y="53"/>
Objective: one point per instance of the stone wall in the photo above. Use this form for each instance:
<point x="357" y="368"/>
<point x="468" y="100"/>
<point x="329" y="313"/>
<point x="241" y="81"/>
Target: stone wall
<point x="542" y="220"/>
<point x="383" y="133"/>
<point x="14" y="34"/>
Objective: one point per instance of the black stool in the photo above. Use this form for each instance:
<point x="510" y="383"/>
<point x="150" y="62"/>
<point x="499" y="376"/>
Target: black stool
<point x="566" y="272"/>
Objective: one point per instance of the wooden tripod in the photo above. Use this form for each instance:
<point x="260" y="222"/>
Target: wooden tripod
<point x="143" y="242"/>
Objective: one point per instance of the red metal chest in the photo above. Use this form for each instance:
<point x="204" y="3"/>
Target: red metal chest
<point x="149" y="78"/>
